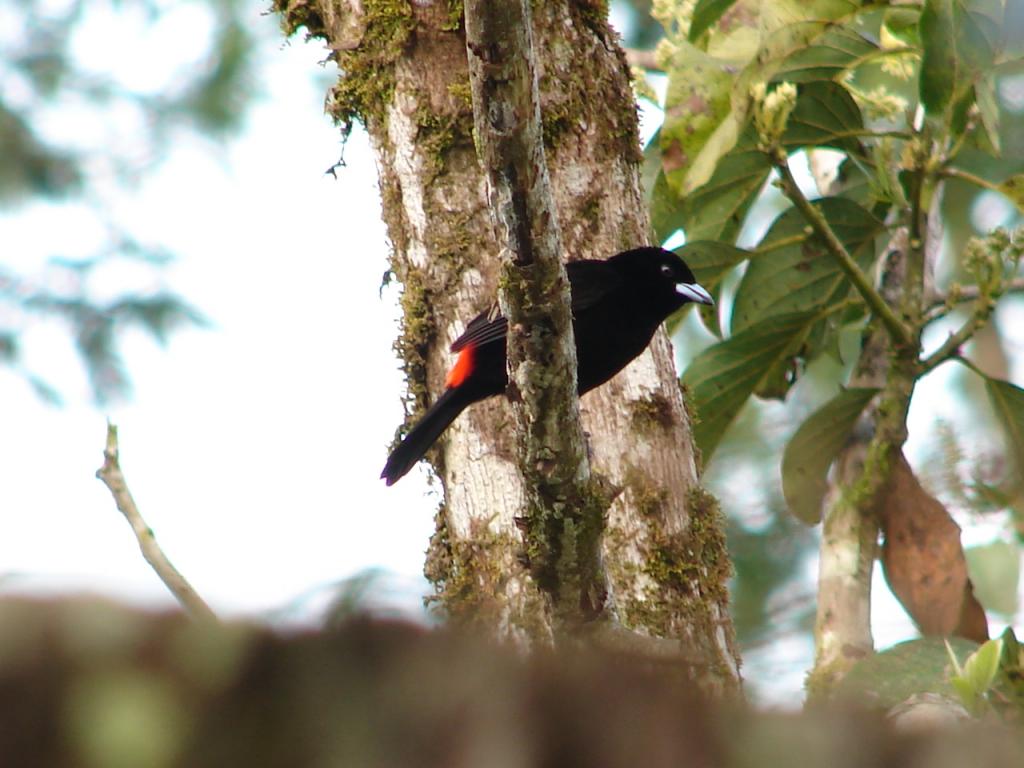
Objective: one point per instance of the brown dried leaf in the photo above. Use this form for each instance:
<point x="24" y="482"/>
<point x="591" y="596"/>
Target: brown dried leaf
<point x="923" y="561"/>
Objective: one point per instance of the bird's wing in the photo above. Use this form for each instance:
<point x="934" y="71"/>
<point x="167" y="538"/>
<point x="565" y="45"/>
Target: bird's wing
<point x="591" y="281"/>
<point x="486" y="327"/>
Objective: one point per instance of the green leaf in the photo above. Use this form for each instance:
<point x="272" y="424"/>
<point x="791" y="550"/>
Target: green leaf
<point x="900" y="24"/>
<point x="853" y="183"/>
<point x="787" y="32"/>
<point x="711" y="261"/>
<point x="825" y="115"/>
<point x="827" y="58"/>
<point x="813" y="448"/>
<point x="981" y="666"/>
<point x="959" y="46"/>
<point x="667" y="209"/>
<point x="700" y="125"/>
<point x="1012" y="665"/>
<point x="1008" y="402"/>
<point x="988" y="108"/>
<point x="706" y="13"/>
<point x="892" y="676"/>
<point x="939" y="63"/>
<point x="792" y="271"/>
<point x="995" y="573"/>
<point x="722" y="377"/>
<point x="717" y="210"/>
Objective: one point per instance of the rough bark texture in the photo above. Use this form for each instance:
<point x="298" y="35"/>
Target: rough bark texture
<point x="405" y="77"/>
<point x="565" y="509"/>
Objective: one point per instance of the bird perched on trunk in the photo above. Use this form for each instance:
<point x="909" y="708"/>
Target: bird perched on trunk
<point x="617" y="305"/>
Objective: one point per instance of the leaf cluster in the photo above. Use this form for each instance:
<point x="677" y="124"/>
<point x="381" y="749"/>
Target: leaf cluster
<point x="986" y="679"/>
<point x="895" y="98"/>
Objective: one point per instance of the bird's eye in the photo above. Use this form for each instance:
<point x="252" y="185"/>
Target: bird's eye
<point x="666" y="270"/>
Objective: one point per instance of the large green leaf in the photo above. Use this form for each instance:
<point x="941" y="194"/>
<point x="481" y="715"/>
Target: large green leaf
<point x="701" y="124"/>
<point x="792" y="271"/>
<point x="667" y="209"/>
<point x="814" y="447"/>
<point x="894" y="675"/>
<point x="988" y="109"/>
<point x="722" y="377"/>
<point x="827" y="59"/>
<point x="825" y="115"/>
<point x="1008" y="402"/>
<point x="706" y="13"/>
<point x="711" y="261"/>
<point x="900" y="26"/>
<point x="959" y="45"/>
<point x="717" y="210"/>
<point x="995" y="574"/>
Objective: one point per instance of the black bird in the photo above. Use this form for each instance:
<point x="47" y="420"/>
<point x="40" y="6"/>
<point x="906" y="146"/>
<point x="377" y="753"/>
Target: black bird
<point x="617" y="305"/>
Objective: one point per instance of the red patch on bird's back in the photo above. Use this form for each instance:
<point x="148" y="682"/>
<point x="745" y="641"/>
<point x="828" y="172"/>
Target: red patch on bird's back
<point x="462" y="368"/>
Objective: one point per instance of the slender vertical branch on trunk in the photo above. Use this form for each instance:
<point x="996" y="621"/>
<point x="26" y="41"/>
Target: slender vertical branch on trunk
<point x="563" y="515"/>
<point x="849" y="538"/>
<point x="850" y="532"/>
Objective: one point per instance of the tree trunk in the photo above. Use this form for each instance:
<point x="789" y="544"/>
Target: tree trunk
<point x="405" y="77"/>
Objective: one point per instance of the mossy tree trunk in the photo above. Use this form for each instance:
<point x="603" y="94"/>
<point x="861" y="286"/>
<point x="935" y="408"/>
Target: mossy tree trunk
<point x="405" y="77"/>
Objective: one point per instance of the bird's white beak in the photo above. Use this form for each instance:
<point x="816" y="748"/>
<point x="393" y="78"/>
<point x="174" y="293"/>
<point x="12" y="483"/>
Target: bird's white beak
<point x="694" y="292"/>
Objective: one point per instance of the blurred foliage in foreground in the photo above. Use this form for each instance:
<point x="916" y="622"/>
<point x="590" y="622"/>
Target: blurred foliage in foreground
<point x="92" y="98"/>
<point x="89" y="683"/>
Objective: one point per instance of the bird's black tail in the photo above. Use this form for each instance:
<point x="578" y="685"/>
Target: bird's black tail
<point x="435" y="421"/>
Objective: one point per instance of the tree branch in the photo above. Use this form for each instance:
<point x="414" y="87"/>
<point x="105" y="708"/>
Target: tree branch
<point x="645" y="59"/>
<point x="939" y="305"/>
<point x="564" y="514"/>
<point x="112" y="477"/>
<point x="897" y="330"/>
<point x="951" y="346"/>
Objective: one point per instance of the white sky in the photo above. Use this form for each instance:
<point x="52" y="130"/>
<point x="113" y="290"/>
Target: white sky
<point x="253" y="449"/>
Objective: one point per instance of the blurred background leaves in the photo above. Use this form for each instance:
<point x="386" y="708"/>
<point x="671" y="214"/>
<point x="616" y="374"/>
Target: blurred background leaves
<point x="80" y="127"/>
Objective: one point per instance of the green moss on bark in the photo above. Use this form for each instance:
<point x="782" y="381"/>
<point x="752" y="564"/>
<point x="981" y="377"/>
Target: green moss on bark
<point x="688" y="571"/>
<point x="470" y="578"/>
<point x="648" y="499"/>
<point x="440" y="132"/>
<point x="367" y="83"/>
<point x="296" y="15"/>
<point x="456" y="13"/>
<point x="651" y="414"/>
<point x="419" y="328"/>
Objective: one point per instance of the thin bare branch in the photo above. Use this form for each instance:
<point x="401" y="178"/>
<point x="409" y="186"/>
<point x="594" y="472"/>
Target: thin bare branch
<point x="642" y="58"/>
<point x="940" y="304"/>
<point x="112" y="477"/>
<point x="951" y="346"/>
